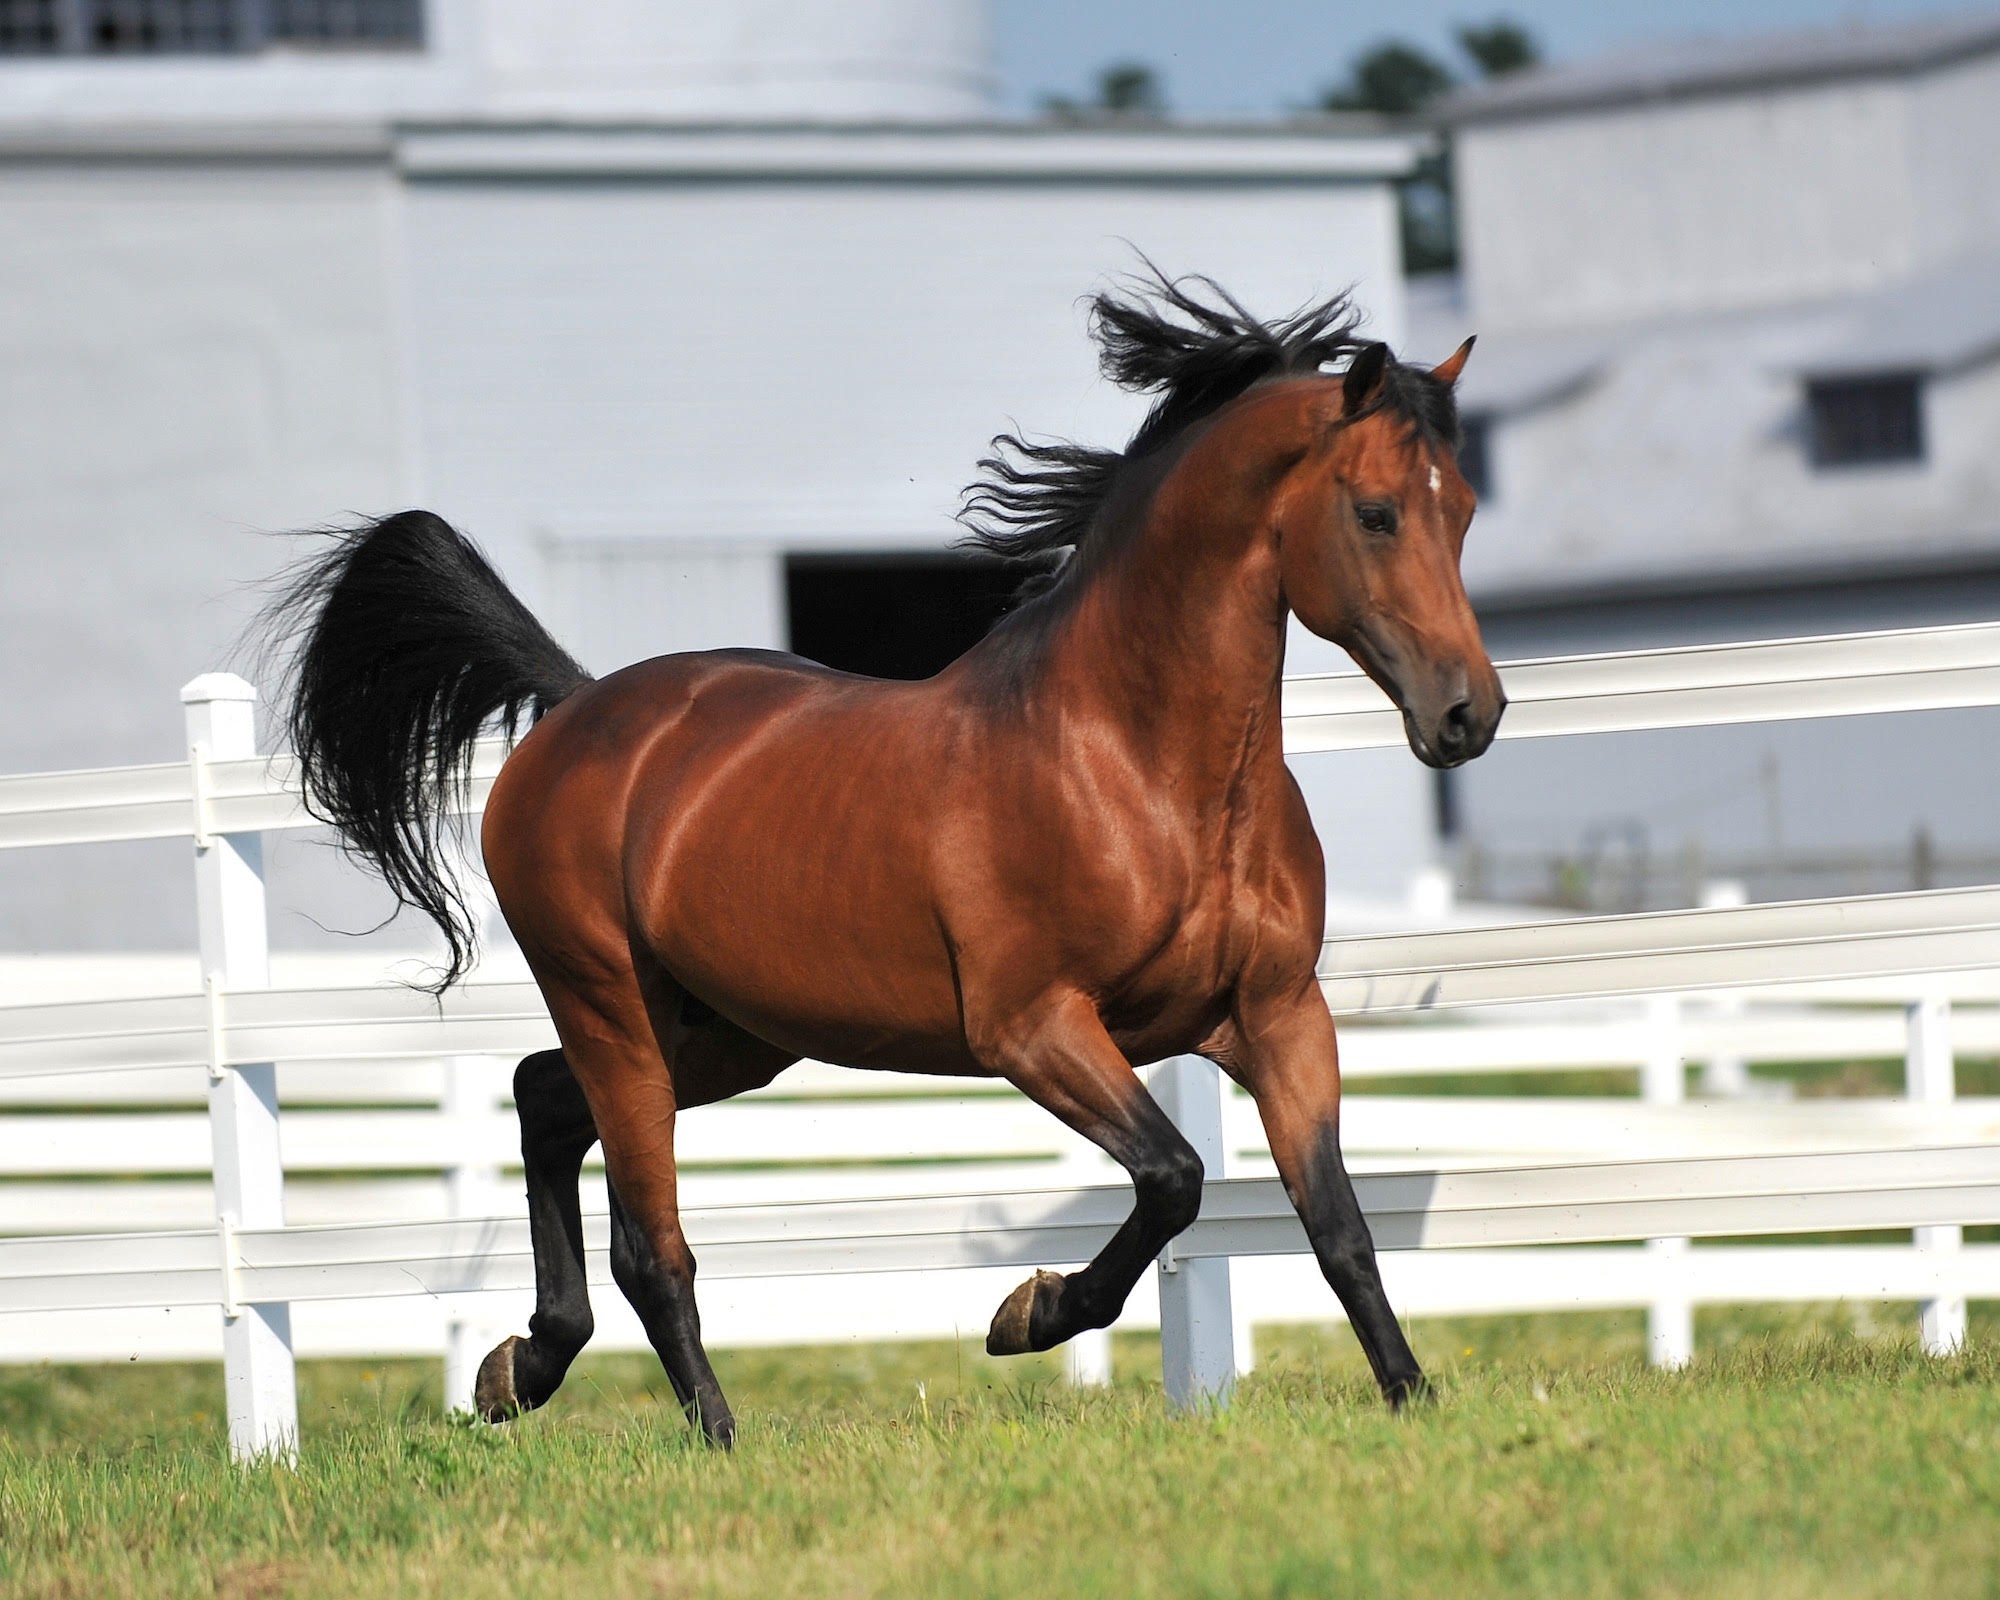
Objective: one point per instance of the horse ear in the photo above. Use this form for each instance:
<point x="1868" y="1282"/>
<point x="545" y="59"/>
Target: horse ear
<point x="1446" y="371"/>
<point x="1364" y="375"/>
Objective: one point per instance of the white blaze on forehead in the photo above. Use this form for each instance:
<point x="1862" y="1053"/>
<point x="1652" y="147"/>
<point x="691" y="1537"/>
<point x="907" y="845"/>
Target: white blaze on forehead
<point x="1437" y="478"/>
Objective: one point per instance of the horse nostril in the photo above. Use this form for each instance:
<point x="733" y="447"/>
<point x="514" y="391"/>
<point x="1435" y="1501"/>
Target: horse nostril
<point x="1456" y="727"/>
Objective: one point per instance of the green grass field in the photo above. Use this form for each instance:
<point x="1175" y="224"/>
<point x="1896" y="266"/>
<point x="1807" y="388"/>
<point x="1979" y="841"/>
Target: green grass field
<point x="1809" y="1453"/>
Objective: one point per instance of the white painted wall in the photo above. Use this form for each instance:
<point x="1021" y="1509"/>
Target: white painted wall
<point x="802" y="363"/>
<point x="612" y="600"/>
<point x="191" y="353"/>
<point x="1693" y="206"/>
<point x="748" y="60"/>
<point x="640" y="393"/>
<point x="1708" y="253"/>
<point x="867" y="60"/>
<point x="1688" y="455"/>
<point x="1954" y="153"/>
<point x="1841" y="786"/>
<point x="709" y="374"/>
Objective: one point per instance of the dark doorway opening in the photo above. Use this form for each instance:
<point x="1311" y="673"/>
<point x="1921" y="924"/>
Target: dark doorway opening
<point x="893" y="616"/>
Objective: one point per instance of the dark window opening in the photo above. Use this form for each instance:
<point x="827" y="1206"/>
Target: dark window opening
<point x="894" y="616"/>
<point x="1859" y="421"/>
<point x="1475" y="454"/>
<point x="29" y="28"/>
<point x="202" y="27"/>
<point x="347" y="22"/>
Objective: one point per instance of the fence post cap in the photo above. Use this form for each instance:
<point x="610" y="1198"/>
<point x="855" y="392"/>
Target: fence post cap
<point x="216" y="686"/>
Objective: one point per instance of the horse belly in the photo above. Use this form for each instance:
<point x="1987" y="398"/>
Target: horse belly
<point x="789" y="893"/>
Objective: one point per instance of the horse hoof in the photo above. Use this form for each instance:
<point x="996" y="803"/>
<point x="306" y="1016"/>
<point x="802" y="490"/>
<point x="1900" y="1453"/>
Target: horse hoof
<point x="1010" y="1334"/>
<point x="493" y="1396"/>
<point x="1410" y="1393"/>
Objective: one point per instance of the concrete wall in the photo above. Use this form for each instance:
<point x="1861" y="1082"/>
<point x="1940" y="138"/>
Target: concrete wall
<point x="1687" y="453"/>
<point x="1700" y="205"/>
<point x="746" y="60"/>
<point x="798" y="364"/>
<point x="751" y="59"/>
<point x="640" y="394"/>
<point x="191" y="353"/>
<point x="1954" y="149"/>
<point x="1837" y="787"/>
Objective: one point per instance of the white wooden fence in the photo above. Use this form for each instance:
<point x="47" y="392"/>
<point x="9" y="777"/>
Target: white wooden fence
<point x="1500" y="1175"/>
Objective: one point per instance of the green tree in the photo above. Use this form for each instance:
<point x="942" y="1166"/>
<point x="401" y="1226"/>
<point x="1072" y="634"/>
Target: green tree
<point x="1392" y="79"/>
<point x="1399" y="79"/>
<point x="1130" y="86"/>
<point x="1124" y="89"/>
<point x="1498" y="47"/>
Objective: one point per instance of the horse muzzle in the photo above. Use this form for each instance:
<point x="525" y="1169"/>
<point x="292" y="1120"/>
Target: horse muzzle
<point x="1457" y="725"/>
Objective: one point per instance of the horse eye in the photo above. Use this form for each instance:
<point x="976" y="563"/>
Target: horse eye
<point x="1376" y="517"/>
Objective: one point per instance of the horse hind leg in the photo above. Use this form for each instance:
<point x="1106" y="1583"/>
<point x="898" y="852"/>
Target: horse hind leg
<point x="622" y="1057"/>
<point x="557" y="1131"/>
<point x="714" y="1059"/>
<point x="709" y="1059"/>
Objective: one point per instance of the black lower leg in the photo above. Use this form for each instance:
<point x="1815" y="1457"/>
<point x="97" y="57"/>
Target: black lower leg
<point x="663" y="1295"/>
<point x="1166" y="1180"/>
<point x="1346" y="1252"/>
<point x="556" y="1133"/>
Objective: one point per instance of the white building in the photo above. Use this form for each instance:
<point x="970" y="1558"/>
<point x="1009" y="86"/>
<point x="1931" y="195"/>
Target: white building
<point x="697" y="315"/>
<point x="1738" y="376"/>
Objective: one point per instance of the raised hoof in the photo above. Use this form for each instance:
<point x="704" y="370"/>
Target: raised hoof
<point x="1013" y="1323"/>
<point x="493" y="1396"/>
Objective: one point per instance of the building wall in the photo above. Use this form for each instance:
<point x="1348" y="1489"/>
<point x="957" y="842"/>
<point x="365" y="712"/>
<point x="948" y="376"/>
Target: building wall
<point x="1692" y="206"/>
<point x="1853" y="793"/>
<point x="794" y="364"/>
<point x="641" y="394"/>
<point x="1688" y="455"/>
<point x="752" y="59"/>
<point x="192" y="353"/>
<point x="866" y="60"/>
<point x="1689" y="263"/>
<point x="1954" y="148"/>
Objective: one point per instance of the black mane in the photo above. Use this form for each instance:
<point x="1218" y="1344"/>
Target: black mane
<point x="1190" y="342"/>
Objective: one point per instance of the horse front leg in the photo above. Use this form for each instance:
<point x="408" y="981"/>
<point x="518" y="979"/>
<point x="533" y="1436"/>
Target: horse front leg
<point x="1066" y="1063"/>
<point x="1287" y="1058"/>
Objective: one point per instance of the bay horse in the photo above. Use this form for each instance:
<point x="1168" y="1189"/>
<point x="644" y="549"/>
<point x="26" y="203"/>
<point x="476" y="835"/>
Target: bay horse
<point x="1074" y="850"/>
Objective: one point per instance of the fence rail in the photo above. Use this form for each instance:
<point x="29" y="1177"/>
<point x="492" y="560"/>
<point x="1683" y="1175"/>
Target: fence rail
<point x="1375" y="975"/>
<point x="1929" y="1165"/>
<point x="1918" y="669"/>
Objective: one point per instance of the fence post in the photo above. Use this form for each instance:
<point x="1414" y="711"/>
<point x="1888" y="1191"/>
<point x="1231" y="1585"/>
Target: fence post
<point x="258" y="1372"/>
<point x="1930" y="1076"/>
<point x="1087" y="1359"/>
<point x="1663" y="1082"/>
<point x="1087" y="1362"/>
<point x="474" y="1087"/>
<point x="1197" y="1344"/>
<point x="1725" y="1074"/>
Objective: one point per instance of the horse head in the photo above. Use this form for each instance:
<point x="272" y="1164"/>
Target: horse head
<point x="1370" y="535"/>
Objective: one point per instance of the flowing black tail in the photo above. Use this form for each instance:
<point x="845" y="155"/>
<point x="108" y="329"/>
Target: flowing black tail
<point x="407" y="647"/>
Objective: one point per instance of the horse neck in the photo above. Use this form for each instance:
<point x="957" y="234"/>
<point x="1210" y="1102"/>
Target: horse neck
<point x="1178" y="639"/>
